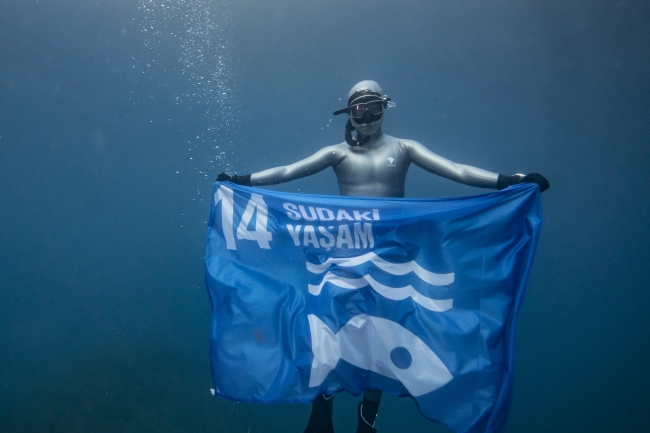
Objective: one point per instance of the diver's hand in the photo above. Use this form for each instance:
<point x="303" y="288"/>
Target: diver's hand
<point x="223" y="176"/>
<point x="505" y="181"/>
<point x="538" y="179"/>
<point x="244" y="179"/>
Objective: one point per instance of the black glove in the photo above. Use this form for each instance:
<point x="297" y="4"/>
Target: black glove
<point x="505" y="181"/>
<point x="239" y="180"/>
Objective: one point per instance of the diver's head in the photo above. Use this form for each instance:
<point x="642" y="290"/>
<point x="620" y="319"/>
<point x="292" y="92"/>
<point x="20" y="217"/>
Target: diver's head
<point x="366" y="106"/>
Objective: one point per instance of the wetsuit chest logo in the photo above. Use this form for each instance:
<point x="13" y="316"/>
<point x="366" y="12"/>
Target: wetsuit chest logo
<point x="391" y="161"/>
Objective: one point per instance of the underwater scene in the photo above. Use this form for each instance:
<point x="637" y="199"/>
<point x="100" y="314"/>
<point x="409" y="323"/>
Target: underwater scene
<point x="117" y="116"/>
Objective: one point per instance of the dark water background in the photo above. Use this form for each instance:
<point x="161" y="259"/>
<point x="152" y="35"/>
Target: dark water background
<point x="107" y="137"/>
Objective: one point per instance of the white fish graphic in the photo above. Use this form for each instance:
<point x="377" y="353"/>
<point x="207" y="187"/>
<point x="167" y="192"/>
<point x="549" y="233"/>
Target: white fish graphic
<point x="393" y="293"/>
<point x="391" y="268"/>
<point x="378" y="345"/>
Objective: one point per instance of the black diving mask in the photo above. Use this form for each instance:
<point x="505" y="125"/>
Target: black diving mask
<point x="375" y="108"/>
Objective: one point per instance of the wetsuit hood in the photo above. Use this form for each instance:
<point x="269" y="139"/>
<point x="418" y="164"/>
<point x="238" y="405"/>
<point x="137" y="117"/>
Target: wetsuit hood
<point x="367" y="85"/>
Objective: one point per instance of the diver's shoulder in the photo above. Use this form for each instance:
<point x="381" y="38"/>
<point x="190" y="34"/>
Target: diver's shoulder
<point x="336" y="150"/>
<point x="339" y="147"/>
<point x="406" y="143"/>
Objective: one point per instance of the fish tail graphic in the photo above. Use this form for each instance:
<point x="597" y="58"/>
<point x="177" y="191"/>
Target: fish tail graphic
<point x="326" y="349"/>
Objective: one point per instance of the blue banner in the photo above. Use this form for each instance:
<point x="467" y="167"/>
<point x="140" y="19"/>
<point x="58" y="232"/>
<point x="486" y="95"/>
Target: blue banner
<point x="417" y="297"/>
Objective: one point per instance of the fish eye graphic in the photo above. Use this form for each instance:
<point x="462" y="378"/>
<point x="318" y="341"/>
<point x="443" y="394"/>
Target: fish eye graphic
<point x="401" y="357"/>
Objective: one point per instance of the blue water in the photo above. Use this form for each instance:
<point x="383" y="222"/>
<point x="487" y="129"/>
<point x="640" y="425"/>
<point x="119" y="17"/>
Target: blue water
<point x="110" y="136"/>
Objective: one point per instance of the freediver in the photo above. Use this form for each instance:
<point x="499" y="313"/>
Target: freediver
<point x="373" y="164"/>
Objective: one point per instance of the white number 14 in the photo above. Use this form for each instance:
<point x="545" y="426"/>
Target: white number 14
<point x="261" y="235"/>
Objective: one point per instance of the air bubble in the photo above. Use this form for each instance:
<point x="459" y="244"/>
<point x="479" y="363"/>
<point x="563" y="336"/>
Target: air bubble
<point x="203" y="29"/>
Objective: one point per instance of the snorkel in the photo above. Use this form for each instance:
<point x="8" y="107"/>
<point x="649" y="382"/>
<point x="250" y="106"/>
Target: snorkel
<point x="366" y="106"/>
<point x="359" y="140"/>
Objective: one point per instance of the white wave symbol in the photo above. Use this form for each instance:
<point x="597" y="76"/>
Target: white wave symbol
<point x="397" y="269"/>
<point x="393" y="293"/>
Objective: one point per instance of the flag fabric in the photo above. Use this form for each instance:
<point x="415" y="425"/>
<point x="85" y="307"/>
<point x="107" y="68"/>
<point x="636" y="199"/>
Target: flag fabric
<point x="417" y="297"/>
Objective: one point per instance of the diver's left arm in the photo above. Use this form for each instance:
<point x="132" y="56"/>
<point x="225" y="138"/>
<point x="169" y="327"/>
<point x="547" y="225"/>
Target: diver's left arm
<point x="467" y="174"/>
<point x="424" y="158"/>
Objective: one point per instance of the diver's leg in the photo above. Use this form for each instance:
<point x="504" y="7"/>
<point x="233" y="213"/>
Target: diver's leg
<point x="320" y="420"/>
<point x="367" y="411"/>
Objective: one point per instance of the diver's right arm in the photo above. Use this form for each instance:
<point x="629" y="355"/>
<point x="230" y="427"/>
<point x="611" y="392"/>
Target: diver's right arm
<point x="326" y="157"/>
